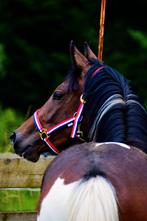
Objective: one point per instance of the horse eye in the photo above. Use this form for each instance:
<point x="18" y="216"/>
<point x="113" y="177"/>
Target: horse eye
<point x="58" y="95"/>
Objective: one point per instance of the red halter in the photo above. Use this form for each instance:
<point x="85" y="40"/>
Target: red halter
<point x="73" y="121"/>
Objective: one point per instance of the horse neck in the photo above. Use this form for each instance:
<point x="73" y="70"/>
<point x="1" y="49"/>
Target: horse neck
<point x="136" y="124"/>
<point x="114" y="113"/>
<point x="109" y="121"/>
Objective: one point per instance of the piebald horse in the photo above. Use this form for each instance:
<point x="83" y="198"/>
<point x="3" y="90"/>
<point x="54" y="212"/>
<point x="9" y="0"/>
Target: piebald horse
<point x="95" y="182"/>
<point x="95" y="103"/>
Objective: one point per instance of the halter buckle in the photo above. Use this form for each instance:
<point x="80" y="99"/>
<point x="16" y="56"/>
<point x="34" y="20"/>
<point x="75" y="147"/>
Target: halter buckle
<point x="82" y="99"/>
<point x="43" y="134"/>
<point x="79" y="132"/>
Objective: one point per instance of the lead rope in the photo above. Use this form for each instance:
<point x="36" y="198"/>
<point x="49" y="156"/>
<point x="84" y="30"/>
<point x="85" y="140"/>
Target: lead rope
<point x="101" y="30"/>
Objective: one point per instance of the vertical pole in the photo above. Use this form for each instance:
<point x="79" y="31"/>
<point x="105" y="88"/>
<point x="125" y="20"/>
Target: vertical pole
<point x="101" y="30"/>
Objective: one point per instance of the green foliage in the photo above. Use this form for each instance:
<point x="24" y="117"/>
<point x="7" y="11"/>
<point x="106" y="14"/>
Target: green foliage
<point x="9" y="121"/>
<point x="34" y="44"/>
<point x="139" y="37"/>
<point x="25" y="200"/>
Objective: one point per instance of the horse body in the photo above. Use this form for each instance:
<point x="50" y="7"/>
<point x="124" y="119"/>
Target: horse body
<point x="91" y="177"/>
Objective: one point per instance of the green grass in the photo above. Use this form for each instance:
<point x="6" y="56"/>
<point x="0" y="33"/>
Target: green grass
<point x="19" y="200"/>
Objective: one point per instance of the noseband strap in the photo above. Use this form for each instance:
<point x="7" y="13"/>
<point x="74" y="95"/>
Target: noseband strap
<point x="74" y="121"/>
<point x="46" y="133"/>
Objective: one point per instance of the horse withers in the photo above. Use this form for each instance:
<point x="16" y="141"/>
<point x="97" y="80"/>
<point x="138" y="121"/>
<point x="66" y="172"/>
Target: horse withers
<point x="95" y="181"/>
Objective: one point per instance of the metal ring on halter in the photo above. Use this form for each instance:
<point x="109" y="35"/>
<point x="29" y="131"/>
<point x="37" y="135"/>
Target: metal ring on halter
<point x="82" y="99"/>
<point x="43" y="134"/>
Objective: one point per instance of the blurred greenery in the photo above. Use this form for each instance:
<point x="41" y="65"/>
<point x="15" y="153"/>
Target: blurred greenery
<point x="25" y="200"/>
<point x="34" y="49"/>
<point x="34" y="58"/>
<point x="9" y="120"/>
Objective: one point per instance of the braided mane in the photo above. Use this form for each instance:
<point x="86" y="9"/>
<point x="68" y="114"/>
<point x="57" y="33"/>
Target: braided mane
<point x="114" y="111"/>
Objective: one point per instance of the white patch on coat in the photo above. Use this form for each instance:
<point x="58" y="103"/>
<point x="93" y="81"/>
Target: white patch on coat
<point x="90" y="200"/>
<point x="117" y="143"/>
<point x="54" y="205"/>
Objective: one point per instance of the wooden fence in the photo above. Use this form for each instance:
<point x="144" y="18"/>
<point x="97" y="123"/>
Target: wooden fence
<point x="18" y="173"/>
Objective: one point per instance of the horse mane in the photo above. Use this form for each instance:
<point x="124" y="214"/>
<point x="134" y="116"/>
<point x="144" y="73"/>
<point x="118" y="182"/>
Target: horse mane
<point x="115" y="112"/>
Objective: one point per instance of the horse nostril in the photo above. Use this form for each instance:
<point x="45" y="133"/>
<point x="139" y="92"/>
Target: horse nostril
<point x="13" y="137"/>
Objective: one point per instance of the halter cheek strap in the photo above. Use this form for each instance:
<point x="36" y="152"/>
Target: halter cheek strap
<point x="75" y="132"/>
<point x="78" y="119"/>
<point x="73" y="121"/>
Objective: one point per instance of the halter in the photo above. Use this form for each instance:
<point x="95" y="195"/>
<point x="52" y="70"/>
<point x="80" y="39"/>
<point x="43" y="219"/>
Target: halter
<point x="74" y="121"/>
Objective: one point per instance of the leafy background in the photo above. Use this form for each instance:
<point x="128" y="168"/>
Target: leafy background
<point x="34" y="58"/>
<point x="34" y="49"/>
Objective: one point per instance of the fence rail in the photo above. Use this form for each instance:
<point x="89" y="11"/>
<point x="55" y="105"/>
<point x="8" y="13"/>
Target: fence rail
<point x="17" y="173"/>
<point x="23" y="216"/>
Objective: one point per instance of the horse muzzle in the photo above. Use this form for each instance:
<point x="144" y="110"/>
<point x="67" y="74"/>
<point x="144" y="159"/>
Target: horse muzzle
<point x="23" y="149"/>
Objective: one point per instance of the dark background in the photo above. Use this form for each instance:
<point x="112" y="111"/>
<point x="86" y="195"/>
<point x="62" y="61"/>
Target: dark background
<point x="35" y="37"/>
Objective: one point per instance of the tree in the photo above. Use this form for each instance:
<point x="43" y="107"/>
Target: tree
<point x="34" y="44"/>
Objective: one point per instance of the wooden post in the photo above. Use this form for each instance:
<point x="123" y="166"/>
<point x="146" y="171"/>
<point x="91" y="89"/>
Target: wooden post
<point x="101" y="30"/>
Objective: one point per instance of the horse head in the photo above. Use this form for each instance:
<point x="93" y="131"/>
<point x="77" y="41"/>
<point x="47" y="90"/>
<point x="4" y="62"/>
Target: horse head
<point x="50" y="128"/>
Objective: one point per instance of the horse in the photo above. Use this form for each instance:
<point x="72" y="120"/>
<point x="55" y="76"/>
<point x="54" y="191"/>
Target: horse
<point x="96" y="104"/>
<point x="93" y="103"/>
<point x="95" y="181"/>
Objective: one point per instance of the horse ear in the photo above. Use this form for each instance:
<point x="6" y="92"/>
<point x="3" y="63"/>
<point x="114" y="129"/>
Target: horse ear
<point x="88" y="52"/>
<point x="78" y="59"/>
